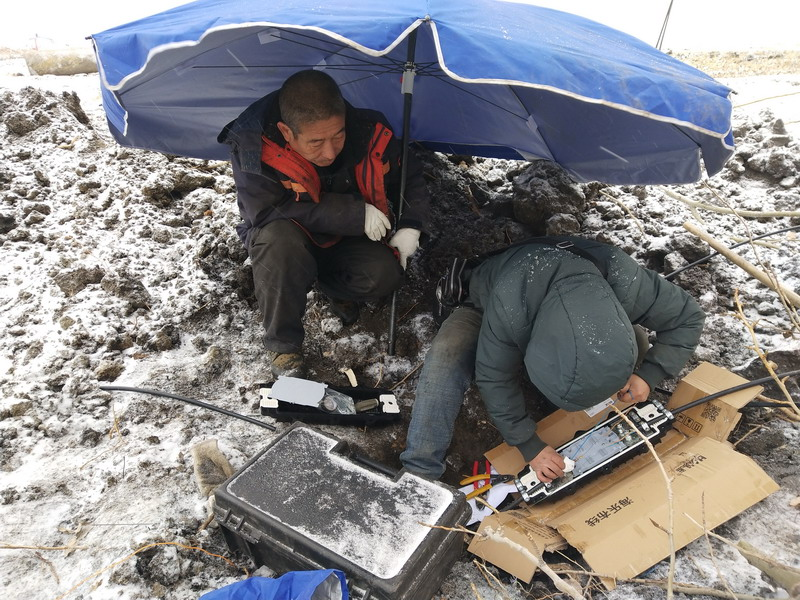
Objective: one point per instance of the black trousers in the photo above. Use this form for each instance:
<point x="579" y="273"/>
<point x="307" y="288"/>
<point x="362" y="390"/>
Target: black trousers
<point x="286" y="263"/>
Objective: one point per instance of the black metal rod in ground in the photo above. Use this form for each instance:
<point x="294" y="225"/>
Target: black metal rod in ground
<point x="398" y="211"/>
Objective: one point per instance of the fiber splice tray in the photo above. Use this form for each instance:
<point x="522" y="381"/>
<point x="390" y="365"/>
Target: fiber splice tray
<point x="302" y="503"/>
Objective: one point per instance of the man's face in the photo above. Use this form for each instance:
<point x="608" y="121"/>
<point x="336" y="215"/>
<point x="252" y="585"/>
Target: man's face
<point x="319" y="142"/>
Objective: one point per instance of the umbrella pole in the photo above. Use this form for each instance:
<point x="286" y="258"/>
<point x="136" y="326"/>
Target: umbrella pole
<point x="408" y="92"/>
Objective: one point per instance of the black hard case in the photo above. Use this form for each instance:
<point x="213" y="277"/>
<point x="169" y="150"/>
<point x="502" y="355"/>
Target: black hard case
<point x="304" y="503"/>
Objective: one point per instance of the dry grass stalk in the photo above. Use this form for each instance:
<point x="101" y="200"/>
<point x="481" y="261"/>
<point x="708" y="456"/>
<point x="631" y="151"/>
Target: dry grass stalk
<point x="475" y="591"/>
<point x="561" y="585"/>
<point x="49" y="565"/>
<point x="782" y="574"/>
<point x="747" y="435"/>
<point x="768" y="364"/>
<point x="493" y="582"/>
<point x="97" y="574"/>
<point x="782" y="293"/>
<point x="493" y="535"/>
<point x="710" y="547"/>
<point x="670" y="502"/>
<point x="750" y="214"/>
<point x="402" y="317"/>
<point x="762" y="243"/>
<point x="379" y="378"/>
<point x="696" y="590"/>
<point x="68" y="548"/>
<point x="748" y="267"/>
<point x="114" y="430"/>
<point x="679" y="587"/>
<point x="765" y="99"/>
<point x="409" y="374"/>
<point x="486" y="504"/>
<point x="619" y="203"/>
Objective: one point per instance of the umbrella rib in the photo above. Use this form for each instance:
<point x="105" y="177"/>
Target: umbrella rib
<point x="390" y="65"/>
<point x="450" y="82"/>
<point x="339" y="45"/>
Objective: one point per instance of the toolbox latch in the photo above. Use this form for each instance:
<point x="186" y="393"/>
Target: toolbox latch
<point x="238" y="525"/>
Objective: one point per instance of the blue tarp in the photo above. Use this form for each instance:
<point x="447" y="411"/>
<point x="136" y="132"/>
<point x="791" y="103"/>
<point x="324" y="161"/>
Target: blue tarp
<point x="295" y="585"/>
<point x="493" y="78"/>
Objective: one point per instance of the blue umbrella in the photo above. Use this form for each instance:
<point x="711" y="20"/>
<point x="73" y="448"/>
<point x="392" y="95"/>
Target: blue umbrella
<point x="488" y="78"/>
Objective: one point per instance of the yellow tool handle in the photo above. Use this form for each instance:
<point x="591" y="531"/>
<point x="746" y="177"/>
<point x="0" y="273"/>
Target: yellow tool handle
<point x="474" y="478"/>
<point x="479" y="491"/>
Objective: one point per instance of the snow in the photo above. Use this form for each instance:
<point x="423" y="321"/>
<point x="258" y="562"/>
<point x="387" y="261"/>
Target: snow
<point x="122" y="267"/>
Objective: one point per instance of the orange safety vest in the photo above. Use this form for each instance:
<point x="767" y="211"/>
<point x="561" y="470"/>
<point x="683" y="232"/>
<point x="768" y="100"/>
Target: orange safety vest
<point x="304" y="179"/>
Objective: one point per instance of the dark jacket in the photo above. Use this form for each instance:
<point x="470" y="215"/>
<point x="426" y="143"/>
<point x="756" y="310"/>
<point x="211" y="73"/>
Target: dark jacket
<point x="554" y="313"/>
<point x="262" y="198"/>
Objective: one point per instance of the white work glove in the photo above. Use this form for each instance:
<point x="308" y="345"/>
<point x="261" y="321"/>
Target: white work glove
<point x="376" y="224"/>
<point x="406" y="240"/>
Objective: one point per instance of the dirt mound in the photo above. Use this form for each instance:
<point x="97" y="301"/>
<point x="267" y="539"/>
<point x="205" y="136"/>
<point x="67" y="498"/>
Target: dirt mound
<point x="123" y="266"/>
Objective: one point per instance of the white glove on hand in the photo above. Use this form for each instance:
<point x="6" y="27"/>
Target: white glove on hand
<point x="376" y="224"/>
<point x="406" y="240"/>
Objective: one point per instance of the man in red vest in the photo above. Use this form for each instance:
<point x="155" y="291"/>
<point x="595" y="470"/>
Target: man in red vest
<point x="316" y="181"/>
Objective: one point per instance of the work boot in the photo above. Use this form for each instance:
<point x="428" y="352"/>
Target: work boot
<point x="347" y="310"/>
<point x="288" y="364"/>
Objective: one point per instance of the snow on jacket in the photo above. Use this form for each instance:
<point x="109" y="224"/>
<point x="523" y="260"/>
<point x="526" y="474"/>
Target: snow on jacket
<point x="554" y="313"/>
<point x="263" y="198"/>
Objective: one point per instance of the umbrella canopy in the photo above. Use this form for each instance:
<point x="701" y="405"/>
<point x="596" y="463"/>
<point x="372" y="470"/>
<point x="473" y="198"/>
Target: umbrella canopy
<point x="490" y="78"/>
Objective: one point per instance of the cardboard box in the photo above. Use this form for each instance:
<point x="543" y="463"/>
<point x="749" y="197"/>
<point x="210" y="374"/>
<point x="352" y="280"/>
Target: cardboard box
<point x="619" y="521"/>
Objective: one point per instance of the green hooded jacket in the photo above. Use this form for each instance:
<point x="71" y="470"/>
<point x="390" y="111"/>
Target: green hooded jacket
<point x="554" y="313"/>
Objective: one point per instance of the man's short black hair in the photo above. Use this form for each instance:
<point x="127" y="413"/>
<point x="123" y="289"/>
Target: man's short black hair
<point x="309" y="96"/>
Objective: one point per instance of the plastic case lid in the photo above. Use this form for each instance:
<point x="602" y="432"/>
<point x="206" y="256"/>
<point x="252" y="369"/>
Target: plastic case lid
<point x="368" y="518"/>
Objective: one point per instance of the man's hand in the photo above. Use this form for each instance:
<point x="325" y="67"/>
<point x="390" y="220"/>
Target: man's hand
<point x="548" y="465"/>
<point x="636" y="390"/>
<point x="406" y="241"/>
<point x="376" y="224"/>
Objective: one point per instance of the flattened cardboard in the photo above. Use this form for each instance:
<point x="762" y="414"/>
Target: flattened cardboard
<point x="512" y="536"/>
<point x="716" y="418"/>
<point x="616" y="530"/>
<point x="610" y="520"/>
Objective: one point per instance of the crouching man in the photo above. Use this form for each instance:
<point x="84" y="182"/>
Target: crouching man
<point x="316" y="179"/>
<point x="565" y="313"/>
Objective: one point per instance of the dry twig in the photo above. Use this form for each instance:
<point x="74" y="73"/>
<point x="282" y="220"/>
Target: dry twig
<point x="710" y="547"/>
<point x="409" y="374"/>
<point x="492" y="581"/>
<point x="490" y="533"/>
<point x="766" y="268"/>
<point x="747" y="435"/>
<point x="561" y="585"/>
<point x="752" y="214"/>
<point x="765" y="99"/>
<point x="68" y="547"/>
<point x="114" y="430"/>
<point x="756" y="347"/>
<point x="619" y="203"/>
<point x="50" y="566"/>
<point x="677" y="586"/>
<point x="140" y="550"/>
<point x="670" y="501"/>
<point x="743" y="264"/>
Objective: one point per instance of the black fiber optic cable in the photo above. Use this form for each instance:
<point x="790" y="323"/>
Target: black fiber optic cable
<point x="713" y="254"/>
<point x="230" y="413"/>
<point x="731" y="390"/>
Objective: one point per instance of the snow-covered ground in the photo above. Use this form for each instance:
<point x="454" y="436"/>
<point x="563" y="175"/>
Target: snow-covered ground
<point x="122" y="266"/>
